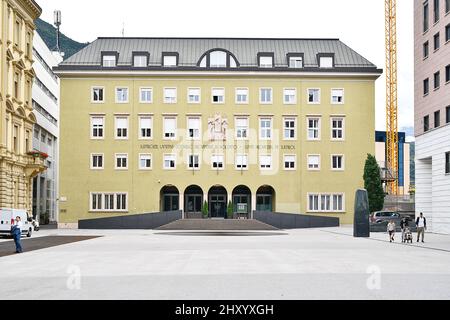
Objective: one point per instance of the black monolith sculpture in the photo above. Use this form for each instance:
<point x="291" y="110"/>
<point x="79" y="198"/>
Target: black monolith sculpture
<point x="361" y="228"/>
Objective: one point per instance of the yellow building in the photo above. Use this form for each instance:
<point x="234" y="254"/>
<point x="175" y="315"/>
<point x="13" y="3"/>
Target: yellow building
<point x="161" y="124"/>
<point x="18" y="164"/>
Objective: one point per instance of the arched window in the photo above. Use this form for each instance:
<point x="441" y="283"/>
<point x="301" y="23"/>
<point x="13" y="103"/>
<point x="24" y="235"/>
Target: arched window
<point x="218" y="58"/>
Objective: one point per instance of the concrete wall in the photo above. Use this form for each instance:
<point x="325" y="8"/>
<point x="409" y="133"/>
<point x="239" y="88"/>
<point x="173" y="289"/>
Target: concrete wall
<point x="295" y="221"/>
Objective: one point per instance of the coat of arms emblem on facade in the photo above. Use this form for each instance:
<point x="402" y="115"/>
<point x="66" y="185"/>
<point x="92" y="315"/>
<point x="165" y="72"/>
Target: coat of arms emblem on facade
<point x="217" y="127"/>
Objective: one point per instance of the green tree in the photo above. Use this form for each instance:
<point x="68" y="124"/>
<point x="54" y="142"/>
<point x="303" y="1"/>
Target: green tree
<point x="373" y="184"/>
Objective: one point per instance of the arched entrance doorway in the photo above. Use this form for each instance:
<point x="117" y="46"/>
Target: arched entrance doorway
<point x="217" y="202"/>
<point x="170" y="199"/>
<point x="265" y="199"/>
<point x="242" y="201"/>
<point x="193" y="201"/>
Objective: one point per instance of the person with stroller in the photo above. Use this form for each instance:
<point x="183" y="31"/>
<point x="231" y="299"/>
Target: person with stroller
<point x="391" y="230"/>
<point x="404" y="225"/>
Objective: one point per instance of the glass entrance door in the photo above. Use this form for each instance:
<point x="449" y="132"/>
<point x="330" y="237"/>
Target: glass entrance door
<point x="217" y="206"/>
<point x="241" y="201"/>
<point x="194" y="203"/>
<point x="264" y="202"/>
<point x="170" y="202"/>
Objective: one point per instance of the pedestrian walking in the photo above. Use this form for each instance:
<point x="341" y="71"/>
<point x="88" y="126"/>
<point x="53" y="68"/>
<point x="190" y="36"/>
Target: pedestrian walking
<point x="404" y="224"/>
<point x="16" y="232"/>
<point x="421" y="224"/>
<point x="391" y="230"/>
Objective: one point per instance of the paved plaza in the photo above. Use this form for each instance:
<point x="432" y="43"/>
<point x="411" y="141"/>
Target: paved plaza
<point x="295" y="264"/>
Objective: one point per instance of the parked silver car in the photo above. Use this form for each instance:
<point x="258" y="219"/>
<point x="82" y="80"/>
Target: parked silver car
<point x="382" y="216"/>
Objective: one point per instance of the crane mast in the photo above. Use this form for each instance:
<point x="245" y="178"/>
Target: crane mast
<point x="391" y="97"/>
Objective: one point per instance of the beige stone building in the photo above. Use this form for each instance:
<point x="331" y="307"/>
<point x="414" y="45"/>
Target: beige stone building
<point x="18" y="162"/>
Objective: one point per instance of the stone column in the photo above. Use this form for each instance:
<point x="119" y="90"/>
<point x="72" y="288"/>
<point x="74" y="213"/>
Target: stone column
<point x="253" y="205"/>
<point x="181" y="202"/>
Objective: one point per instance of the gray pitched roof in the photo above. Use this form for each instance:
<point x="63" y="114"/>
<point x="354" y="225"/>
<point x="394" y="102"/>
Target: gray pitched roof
<point x="191" y="50"/>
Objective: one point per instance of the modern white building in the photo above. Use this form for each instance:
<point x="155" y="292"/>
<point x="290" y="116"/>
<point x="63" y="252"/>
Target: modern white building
<point x="46" y="131"/>
<point x="432" y="112"/>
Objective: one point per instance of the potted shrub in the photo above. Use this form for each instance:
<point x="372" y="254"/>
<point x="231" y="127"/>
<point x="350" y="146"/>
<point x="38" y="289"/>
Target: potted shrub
<point x="230" y="210"/>
<point x="205" y="210"/>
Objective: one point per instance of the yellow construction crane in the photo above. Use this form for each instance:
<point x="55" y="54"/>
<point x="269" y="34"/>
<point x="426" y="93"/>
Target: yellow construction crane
<point x="391" y="97"/>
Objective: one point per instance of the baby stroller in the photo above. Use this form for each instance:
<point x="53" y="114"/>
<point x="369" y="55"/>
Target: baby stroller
<point x="408" y="237"/>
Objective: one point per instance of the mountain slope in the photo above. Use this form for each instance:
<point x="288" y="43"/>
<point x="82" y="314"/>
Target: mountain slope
<point x="48" y="34"/>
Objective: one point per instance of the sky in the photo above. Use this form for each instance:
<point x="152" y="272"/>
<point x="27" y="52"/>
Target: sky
<point x="358" y="23"/>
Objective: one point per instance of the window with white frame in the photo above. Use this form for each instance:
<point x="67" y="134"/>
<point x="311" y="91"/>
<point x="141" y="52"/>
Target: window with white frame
<point x="241" y="161"/>
<point x="98" y="94"/>
<point x="242" y="96"/>
<point x="290" y="96"/>
<point x="296" y="62"/>
<point x="108" y="202"/>
<point x="265" y="128"/>
<point x="170" y="127"/>
<point x="265" y="95"/>
<point x="289" y="126"/>
<point x="109" y="61"/>
<point x="145" y="127"/>
<point x="313" y="162"/>
<point x="170" y="161"/>
<point x="326" y="202"/>
<point x="96" y="201"/>
<point x="97" y="161"/>
<point x="338" y="202"/>
<point x="241" y="128"/>
<point x="313" y="96"/>
<point x="313" y="202"/>
<point x="337" y="129"/>
<point x="145" y="161"/>
<point x="326" y="62"/>
<point x="121" y="95"/>
<point x="121" y="127"/>
<point x="194" y="127"/>
<point x="265" y="162"/>
<point x="121" y="202"/>
<point x="146" y="95"/>
<point x="218" y="95"/>
<point x="194" y="161"/>
<point x="194" y="95"/>
<point x="313" y="128"/>
<point x="218" y="59"/>
<point x="121" y="161"/>
<point x="97" y="127"/>
<point x="337" y="96"/>
<point x="170" y="61"/>
<point x="337" y="162"/>
<point x="170" y="95"/>
<point x="289" y="162"/>
<point x="217" y="161"/>
<point x="265" y="61"/>
<point x="140" y="61"/>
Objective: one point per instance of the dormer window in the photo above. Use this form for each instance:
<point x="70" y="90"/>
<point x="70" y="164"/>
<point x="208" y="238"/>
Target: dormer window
<point x="140" y="59"/>
<point x="265" y="60"/>
<point x="109" y="59"/>
<point x="326" y="61"/>
<point x="170" y="60"/>
<point x="295" y="61"/>
<point x="218" y="58"/>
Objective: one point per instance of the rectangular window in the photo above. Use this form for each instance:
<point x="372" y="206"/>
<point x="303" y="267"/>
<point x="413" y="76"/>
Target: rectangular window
<point x="241" y="162"/>
<point x="289" y="127"/>
<point x="337" y="96"/>
<point x="146" y="95"/>
<point x="296" y="62"/>
<point x="241" y="128"/>
<point x="325" y="202"/>
<point x="145" y="127"/>
<point x="170" y="128"/>
<point x="313" y="202"/>
<point x="313" y="129"/>
<point x="437" y="80"/>
<point x="16" y="139"/>
<point x="242" y="96"/>
<point x="426" y="86"/>
<point x="218" y="59"/>
<point x="437" y="119"/>
<point x="170" y="95"/>
<point x="145" y="161"/>
<point x="338" y="202"/>
<point x="140" y="61"/>
<point x="326" y="62"/>
<point x="17" y="33"/>
<point x="337" y="129"/>
<point x="170" y="162"/>
<point x="313" y="96"/>
<point x="96" y="161"/>
<point x="426" y="49"/>
<point x="121" y="127"/>
<point x="194" y="128"/>
<point x="426" y="11"/>
<point x="109" y="61"/>
<point x="447" y="33"/>
<point x="218" y="95"/>
<point x="265" y="95"/>
<point x="194" y="161"/>
<point x="265" y="129"/>
<point x="265" y="162"/>
<point x="194" y="95"/>
<point x="98" y="94"/>
<point x="447" y="74"/>
<point x="170" y="61"/>
<point x="121" y="202"/>
<point x="290" y="96"/>
<point x="96" y="201"/>
<point x="217" y="162"/>
<point x="97" y="127"/>
<point x="121" y="161"/>
<point x="121" y="95"/>
<point x="437" y="41"/>
<point x="447" y="6"/>
<point x="447" y="162"/>
<point x="266" y="62"/>
<point x="109" y="201"/>
<point x="337" y="162"/>
<point x="436" y="10"/>
<point x="426" y="123"/>
<point x="314" y="162"/>
<point x="290" y="162"/>
<point x="447" y="111"/>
